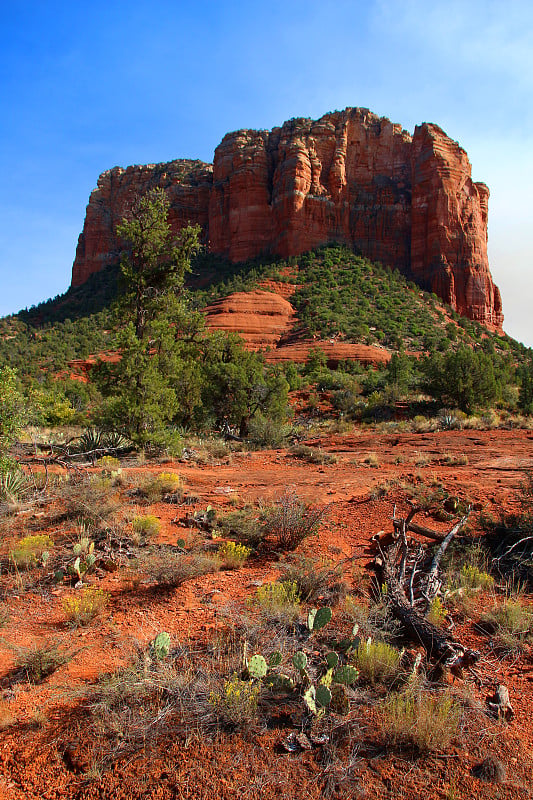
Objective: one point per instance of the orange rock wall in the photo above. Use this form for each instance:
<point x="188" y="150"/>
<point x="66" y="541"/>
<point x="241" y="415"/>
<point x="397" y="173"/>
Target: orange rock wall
<point x="350" y="177"/>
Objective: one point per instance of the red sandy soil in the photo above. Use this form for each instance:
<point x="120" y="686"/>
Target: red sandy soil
<point x="44" y="753"/>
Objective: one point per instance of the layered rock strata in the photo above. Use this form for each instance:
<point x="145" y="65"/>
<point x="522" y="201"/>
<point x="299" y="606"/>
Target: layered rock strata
<point x="349" y="177"/>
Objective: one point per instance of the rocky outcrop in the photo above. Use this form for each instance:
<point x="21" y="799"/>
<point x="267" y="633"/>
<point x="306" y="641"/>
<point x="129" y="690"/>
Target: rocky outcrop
<point x="260" y="318"/>
<point x="350" y="177"/>
<point x="265" y="319"/>
<point x="187" y="183"/>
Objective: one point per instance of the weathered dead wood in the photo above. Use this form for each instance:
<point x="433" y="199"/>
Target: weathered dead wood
<point x="500" y="704"/>
<point x="391" y="569"/>
<point x="421" y="530"/>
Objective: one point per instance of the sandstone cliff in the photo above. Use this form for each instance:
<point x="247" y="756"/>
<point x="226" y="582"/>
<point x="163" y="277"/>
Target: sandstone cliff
<point x="351" y="177"/>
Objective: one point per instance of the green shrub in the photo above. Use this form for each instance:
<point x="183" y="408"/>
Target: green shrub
<point x="243" y="525"/>
<point x="270" y="433"/>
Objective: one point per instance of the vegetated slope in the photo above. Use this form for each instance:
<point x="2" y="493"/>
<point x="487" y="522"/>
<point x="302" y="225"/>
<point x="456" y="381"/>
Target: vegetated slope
<point x="339" y="295"/>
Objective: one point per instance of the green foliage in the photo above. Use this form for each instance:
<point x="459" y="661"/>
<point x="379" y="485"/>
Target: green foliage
<point x="525" y="397"/>
<point x="464" y="378"/>
<point x="344" y="295"/>
<point x="143" y="388"/>
<point x="13" y="412"/>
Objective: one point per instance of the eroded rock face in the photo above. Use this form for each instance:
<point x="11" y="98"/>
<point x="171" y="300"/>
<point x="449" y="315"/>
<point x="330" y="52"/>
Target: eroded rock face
<point x="350" y="177"/>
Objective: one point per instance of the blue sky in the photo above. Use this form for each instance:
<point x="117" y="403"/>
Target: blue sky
<point x="85" y="87"/>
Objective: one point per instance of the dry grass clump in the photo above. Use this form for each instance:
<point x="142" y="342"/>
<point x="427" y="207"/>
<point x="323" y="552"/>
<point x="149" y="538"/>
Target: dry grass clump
<point x="315" y="578"/>
<point x="427" y="721"/>
<point x="169" y="569"/>
<point x="135" y="706"/>
<point x="146" y="527"/>
<point x="232" y="555"/>
<point x="29" y="550"/>
<point x="291" y="520"/>
<point x="372" y="460"/>
<point x="374" y="621"/>
<point x="91" y="500"/>
<point x="378" y="662"/>
<point x="313" y="455"/>
<point x="82" y="608"/>
<point x="511" y="624"/>
<point x="38" y="662"/>
<point x="455" y="461"/>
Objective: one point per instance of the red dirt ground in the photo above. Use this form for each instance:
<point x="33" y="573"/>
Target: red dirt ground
<point x="44" y="752"/>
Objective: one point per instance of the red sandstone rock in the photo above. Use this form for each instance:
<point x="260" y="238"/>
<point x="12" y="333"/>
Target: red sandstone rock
<point x="349" y="177"/>
<point x="260" y="318"/>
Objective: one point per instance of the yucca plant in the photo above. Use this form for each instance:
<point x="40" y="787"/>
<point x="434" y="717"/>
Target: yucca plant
<point x="14" y="484"/>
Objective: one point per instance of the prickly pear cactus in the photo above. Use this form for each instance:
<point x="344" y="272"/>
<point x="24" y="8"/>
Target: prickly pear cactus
<point x="322" y="696"/>
<point x="299" y="660"/>
<point x="161" y="645"/>
<point x="346" y="675"/>
<point x="275" y="659"/>
<point x="309" y="699"/>
<point x="257" y="667"/>
<point x="318" y="618"/>
<point x="332" y="660"/>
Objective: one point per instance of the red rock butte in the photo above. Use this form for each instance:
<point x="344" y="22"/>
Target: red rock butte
<point x="350" y="177"/>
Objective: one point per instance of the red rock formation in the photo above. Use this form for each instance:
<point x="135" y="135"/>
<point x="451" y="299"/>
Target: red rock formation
<point x="449" y="228"/>
<point x="188" y="184"/>
<point x="261" y="318"/>
<point x="349" y="177"/>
